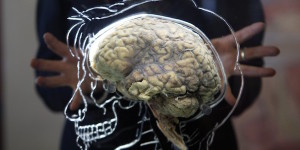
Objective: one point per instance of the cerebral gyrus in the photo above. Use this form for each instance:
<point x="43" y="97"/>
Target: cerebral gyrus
<point x="159" y="62"/>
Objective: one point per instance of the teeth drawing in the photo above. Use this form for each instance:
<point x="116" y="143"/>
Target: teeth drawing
<point x="89" y="133"/>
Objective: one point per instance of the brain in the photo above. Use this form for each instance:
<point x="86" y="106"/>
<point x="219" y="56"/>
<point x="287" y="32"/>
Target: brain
<point x="157" y="61"/>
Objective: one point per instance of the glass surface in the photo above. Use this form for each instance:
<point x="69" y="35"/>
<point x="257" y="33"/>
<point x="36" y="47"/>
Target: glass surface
<point x="100" y="23"/>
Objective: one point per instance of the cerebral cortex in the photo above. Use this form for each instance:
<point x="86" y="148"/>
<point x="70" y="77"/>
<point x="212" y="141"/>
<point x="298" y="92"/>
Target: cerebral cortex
<point x="159" y="62"/>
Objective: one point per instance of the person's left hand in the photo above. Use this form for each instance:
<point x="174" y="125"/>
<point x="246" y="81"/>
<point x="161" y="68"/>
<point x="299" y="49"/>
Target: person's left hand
<point x="67" y="69"/>
<point x="226" y="48"/>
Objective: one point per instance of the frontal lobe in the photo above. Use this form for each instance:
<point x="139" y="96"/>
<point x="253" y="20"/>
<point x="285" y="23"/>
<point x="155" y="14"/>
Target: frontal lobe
<point x="158" y="61"/>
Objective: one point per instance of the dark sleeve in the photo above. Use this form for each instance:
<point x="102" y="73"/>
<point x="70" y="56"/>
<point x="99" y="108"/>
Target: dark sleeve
<point x="52" y="17"/>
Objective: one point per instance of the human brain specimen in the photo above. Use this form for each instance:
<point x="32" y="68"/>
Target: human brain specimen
<point x="160" y="62"/>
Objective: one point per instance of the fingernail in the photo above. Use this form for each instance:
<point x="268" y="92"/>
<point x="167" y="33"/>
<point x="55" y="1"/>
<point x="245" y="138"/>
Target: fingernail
<point x="40" y="81"/>
<point x="45" y="35"/>
<point x="33" y="63"/>
<point x="273" y="73"/>
<point x="277" y="51"/>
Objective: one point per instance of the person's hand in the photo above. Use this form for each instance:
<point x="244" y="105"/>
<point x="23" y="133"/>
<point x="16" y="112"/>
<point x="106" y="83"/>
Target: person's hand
<point x="226" y="48"/>
<point x="67" y="69"/>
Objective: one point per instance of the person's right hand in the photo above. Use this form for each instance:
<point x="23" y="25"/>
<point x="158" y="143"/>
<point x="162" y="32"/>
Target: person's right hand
<point x="67" y="69"/>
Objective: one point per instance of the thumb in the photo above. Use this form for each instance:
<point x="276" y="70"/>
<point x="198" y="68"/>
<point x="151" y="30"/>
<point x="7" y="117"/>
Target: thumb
<point x="76" y="102"/>
<point x="229" y="96"/>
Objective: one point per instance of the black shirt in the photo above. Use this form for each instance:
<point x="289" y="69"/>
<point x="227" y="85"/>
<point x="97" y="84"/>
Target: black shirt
<point x="52" y="17"/>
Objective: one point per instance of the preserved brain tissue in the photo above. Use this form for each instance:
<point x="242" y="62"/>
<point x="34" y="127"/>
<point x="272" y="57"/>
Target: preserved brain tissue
<point x="160" y="62"/>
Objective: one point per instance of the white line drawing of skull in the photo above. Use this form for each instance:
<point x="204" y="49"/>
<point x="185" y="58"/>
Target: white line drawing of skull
<point x="130" y="130"/>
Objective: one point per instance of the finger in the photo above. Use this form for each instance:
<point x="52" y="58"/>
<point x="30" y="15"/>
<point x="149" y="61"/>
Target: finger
<point x="76" y="102"/>
<point x="253" y="71"/>
<point x="47" y="65"/>
<point x="55" y="45"/>
<point x="229" y="96"/>
<point x="260" y="52"/>
<point x="248" y="32"/>
<point x="51" y="82"/>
